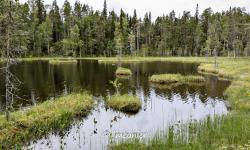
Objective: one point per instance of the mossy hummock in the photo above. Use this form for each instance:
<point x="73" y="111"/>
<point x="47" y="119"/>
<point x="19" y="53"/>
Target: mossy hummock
<point x="123" y="71"/>
<point x="37" y="121"/>
<point x="176" y="78"/>
<point x="126" y="103"/>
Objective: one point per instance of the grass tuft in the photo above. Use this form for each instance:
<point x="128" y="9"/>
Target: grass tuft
<point x="123" y="71"/>
<point x="39" y="120"/>
<point x="125" y="103"/>
<point x="176" y="78"/>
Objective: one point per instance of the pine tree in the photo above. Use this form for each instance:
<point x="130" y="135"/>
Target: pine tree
<point x="105" y="11"/>
<point x="41" y="12"/>
<point x="67" y="18"/>
<point x="57" y="30"/>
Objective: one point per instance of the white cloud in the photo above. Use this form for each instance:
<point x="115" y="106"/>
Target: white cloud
<point x="159" y="7"/>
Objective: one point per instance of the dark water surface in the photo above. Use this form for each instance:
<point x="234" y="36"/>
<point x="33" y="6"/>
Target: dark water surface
<point x="162" y="106"/>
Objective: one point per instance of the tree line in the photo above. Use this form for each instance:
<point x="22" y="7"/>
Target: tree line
<point x="79" y="30"/>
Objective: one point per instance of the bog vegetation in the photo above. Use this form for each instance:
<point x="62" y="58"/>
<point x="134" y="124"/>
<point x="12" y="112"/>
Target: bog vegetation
<point x="52" y="115"/>
<point x="228" y="132"/>
<point x="126" y="103"/>
<point x="62" y="61"/>
<point x="123" y="71"/>
<point x="176" y="78"/>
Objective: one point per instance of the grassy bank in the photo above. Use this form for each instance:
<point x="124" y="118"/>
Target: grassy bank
<point x="38" y="120"/>
<point x="238" y="93"/>
<point x="63" y="61"/>
<point x="147" y="59"/>
<point x="125" y="103"/>
<point x="123" y="71"/>
<point x="228" y="132"/>
<point x="140" y="59"/>
<point x="176" y="78"/>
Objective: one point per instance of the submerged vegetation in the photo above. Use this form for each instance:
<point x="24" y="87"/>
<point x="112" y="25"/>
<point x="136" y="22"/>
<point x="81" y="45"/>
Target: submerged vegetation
<point x="125" y="103"/>
<point x="38" y="120"/>
<point x="176" y="78"/>
<point x="123" y="71"/>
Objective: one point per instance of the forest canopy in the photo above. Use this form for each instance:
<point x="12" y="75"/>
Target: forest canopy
<point x="79" y="30"/>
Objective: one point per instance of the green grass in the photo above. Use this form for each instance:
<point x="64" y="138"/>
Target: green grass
<point x="176" y="78"/>
<point x="37" y="121"/>
<point x="123" y="71"/>
<point x="147" y="59"/>
<point x="238" y="71"/>
<point x="227" y="132"/>
<point x="125" y="103"/>
<point x="63" y="61"/>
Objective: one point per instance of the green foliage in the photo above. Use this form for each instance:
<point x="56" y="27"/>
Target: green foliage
<point x="73" y="43"/>
<point x="116" y="85"/>
<point x="108" y="34"/>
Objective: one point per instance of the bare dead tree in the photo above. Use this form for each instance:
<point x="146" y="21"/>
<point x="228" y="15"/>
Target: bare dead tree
<point x="11" y="49"/>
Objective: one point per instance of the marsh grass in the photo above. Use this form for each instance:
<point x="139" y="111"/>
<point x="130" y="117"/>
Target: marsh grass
<point x="238" y="71"/>
<point x="176" y="78"/>
<point x="35" y="122"/>
<point x="227" y="132"/>
<point x="128" y="59"/>
<point x="223" y="133"/>
<point x="63" y="61"/>
<point x="123" y="71"/>
<point x="125" y="103"/>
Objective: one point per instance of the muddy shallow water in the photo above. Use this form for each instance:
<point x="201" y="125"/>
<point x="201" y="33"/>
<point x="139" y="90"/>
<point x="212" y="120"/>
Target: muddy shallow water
<point x="162" y="106"/>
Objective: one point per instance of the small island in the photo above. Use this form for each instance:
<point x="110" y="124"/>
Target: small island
<point x="123" y="71"/>
<point x="125" y="103"/>
<point x="63" y="61"/>
<point x="176" y="78"/>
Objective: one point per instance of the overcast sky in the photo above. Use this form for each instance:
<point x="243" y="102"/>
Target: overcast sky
<point x="160" y="7"/>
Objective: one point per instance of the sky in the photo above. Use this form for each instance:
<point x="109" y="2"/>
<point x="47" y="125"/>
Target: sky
<point x="160" y="7"/>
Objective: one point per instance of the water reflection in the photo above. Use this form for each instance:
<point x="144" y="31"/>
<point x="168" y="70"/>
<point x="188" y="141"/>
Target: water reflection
<point x="104" y="126"/>
<point x="162" y="105"/>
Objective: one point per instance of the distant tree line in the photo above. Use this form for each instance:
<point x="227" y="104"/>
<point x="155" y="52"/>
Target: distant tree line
<point x="81" y="31"/>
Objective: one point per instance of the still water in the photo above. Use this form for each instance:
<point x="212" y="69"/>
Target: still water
<point x="162" y="106"/>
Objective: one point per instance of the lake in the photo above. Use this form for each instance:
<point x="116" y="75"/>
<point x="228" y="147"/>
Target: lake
<point x="162" y="106"/>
